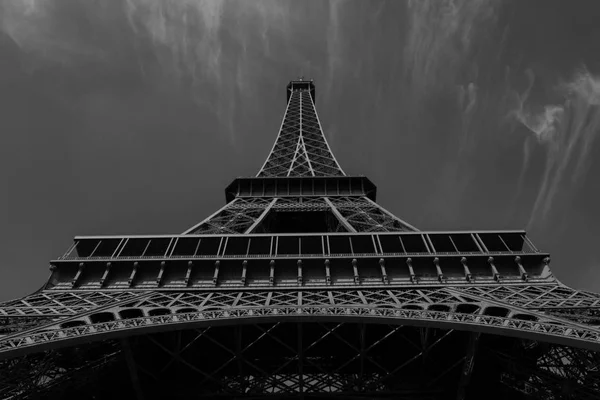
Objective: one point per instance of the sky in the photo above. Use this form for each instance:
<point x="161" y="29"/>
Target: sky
<point x="132" y="116"/>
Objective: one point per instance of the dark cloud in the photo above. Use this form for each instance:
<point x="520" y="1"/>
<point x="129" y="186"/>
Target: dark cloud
<point x="132" y="116"/>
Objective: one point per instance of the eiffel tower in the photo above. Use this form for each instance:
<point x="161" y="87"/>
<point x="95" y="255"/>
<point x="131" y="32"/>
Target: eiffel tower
<point x="302" y="286"/>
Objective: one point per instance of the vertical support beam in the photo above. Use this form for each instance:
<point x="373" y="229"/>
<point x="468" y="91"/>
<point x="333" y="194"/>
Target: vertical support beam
<point x="244" y="270"/>
<point x="355" y="268"/>
<point x="339" y="216"/>
<point x="497" y="276"/>
<point x="467" y="370"/>
<point x="52" y="269"/>
<point x="327" y="273"/>
<point x="261" y="216"/>
<point x="78" y="274"/>
<point x="105" y="275"/>
<point x="384" y="276"/>
<point x="189" y="272"/>
<point x="133" y="373"/>
<point x="160" y="273"/>
<point x="522" y="271"/>
<point x="216" y="274"/>
<point x="440" y="274"/>
<point x="132" y="276"/>
<point x="272" y="272"/>
<point x="468" y="275"/>
<point x="411" y="271"/>
<point x="299" y="264"/>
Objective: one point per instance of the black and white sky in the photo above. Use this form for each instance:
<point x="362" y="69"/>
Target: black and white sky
<point x="131" y="116"/>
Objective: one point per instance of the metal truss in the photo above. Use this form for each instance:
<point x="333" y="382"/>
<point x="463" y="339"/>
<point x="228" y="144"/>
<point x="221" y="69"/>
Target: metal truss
<point x="301" y="148"/>
<point x="239" y="216"/>
<point x="558" y="298"/>
<point x="352" y="214"/>
<point x="47" y="304"/>
<point x="302" y="286"/>
<point x="364" y="215"/>
<point x="438" y="307"/>
<point x="296" y="359"/>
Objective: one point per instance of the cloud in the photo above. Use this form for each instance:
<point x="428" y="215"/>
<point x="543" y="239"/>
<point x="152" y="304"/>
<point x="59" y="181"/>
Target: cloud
<point x="467" y="100"/>
<point x="567" y="129"/>
<point x="212" y="48"/>
<point x="440" y="38"/>
<point x="206" y="43"/>
<point x="37" y="28"/>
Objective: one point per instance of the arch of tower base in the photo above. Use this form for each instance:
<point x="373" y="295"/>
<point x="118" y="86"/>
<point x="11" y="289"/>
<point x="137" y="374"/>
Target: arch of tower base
<point x="307" y="357"/>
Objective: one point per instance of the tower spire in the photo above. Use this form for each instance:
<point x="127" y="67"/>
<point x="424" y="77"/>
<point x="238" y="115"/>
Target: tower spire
<point x="300" y="148"/>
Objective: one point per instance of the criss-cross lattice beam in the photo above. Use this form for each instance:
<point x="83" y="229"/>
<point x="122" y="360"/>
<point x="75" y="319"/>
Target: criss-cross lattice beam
<point x="301" y="148"/>
<point x="364" y="215"/>
<point x="480" y="318"/>
<point x="548" y="297"/>
<point x="341" y="358"/>
<point x="238" y="216"/>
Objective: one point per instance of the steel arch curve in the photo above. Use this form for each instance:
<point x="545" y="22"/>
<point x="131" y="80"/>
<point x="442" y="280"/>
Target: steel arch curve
<point x="544" y="331"/>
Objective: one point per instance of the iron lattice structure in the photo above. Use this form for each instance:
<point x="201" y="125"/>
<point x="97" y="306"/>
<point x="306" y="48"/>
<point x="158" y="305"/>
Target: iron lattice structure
<point x="302" y="286"/>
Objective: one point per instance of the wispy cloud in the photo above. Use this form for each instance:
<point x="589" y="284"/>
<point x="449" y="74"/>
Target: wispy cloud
<point x="440" y="38"/>
<point x="38" y="28"/>
<point x="439" y="56"/>
<point x="207" y="43"/>
<point x="212" y="47"/>
<point x="567" y="129"/>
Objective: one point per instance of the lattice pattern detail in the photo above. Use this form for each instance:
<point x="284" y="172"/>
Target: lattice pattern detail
<point x="367" y="216"/>
<point x="301" y="148"/>
<point x="378" y="360"/>
<point x="235" y="217"/>
<point x="56" y="304"/>
<point x="362" y="214"/>
<point x="441" y="304"/>
<point x="537" y="296"/>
